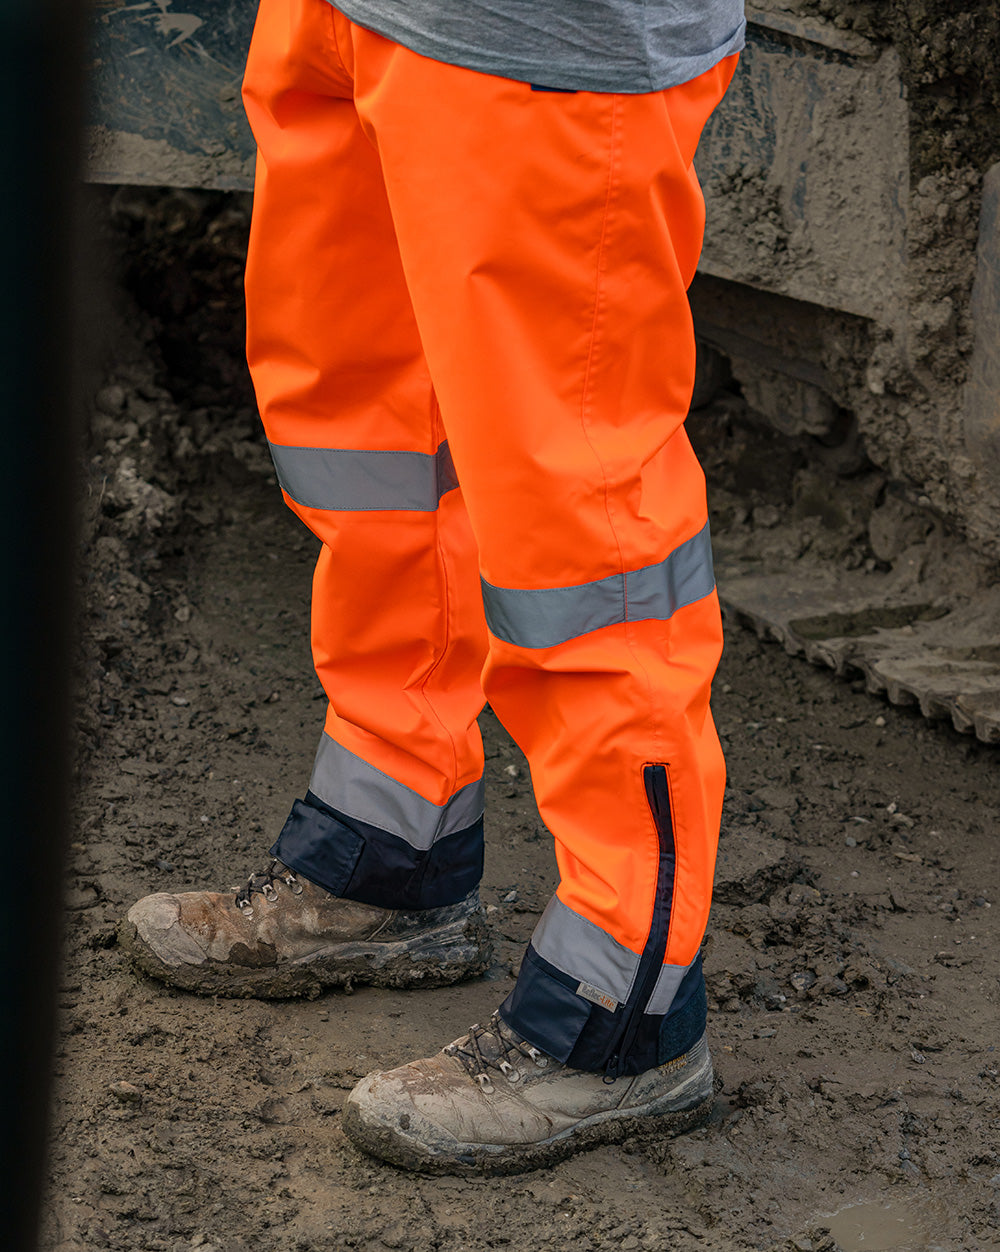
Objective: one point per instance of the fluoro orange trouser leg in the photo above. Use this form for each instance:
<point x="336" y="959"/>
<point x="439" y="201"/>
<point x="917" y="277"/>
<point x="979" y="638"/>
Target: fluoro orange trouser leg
<point x="472" y="349"/>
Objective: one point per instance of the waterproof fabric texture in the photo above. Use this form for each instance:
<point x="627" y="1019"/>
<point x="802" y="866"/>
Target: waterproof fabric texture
<point x="472" y="350"/>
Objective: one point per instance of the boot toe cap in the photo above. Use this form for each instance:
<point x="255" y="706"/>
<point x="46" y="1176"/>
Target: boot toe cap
<point x="159" y="929"/>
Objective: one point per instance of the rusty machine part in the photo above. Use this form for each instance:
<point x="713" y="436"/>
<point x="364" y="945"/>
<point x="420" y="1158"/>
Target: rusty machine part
<point x="850" y="285"/>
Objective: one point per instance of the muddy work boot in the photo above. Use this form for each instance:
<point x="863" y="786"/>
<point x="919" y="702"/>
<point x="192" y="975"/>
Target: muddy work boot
<point x="283" y="936"/>
<point x="490" y="1103"/>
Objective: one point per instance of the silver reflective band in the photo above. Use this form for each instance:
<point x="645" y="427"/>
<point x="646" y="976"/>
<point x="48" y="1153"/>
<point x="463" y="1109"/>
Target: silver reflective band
<point x="352" y="786"/>
<point x="667" y="982"/>
<point x="352" y="481"/>
<point x="584" y="951"/>
<point x="542" y="619"/>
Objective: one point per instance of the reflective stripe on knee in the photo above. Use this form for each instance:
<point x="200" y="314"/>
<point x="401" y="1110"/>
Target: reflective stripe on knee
<point x="354" y="481"/>
<point x="544" y="618"/>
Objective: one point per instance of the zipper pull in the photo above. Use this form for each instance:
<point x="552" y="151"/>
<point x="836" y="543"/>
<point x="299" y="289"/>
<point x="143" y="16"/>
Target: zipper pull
<point x="611" y="1073"/>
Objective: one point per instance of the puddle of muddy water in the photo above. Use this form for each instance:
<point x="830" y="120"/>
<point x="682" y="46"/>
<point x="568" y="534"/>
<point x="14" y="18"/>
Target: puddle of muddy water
<point x="886" y="1226"/>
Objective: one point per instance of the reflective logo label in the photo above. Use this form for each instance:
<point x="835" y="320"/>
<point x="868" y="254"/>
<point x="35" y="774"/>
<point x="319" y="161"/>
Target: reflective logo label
<point x="596" y="996"/>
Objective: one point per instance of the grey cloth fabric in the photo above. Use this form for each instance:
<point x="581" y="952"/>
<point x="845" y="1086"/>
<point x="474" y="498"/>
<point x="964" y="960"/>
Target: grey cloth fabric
<point x="578" y="45"/>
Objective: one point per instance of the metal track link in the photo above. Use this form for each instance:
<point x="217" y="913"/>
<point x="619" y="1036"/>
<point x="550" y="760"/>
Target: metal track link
<point x="942" y="657"/>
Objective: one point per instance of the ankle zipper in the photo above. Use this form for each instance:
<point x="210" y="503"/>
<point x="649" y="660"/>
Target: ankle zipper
<point x="658" y="796"/>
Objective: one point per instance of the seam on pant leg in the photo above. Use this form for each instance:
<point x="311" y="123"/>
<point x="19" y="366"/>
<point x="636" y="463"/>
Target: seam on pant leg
<point x="330" y="26"/>
<point x="599" y="313"/>
<point x="585" y="399"/>
<point x="446" y="607"/>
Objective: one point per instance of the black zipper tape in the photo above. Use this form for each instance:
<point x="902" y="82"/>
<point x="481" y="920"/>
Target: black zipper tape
<point x="658" y="796"/>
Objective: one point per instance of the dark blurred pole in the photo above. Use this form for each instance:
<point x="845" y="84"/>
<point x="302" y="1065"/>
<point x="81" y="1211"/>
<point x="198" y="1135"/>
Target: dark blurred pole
<point x="40" y="126"/>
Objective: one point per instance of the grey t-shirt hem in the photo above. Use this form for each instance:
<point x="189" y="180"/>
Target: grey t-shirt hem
<point x="628" y="77"/>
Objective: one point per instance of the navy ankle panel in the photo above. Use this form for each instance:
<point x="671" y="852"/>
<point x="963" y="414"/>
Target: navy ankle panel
<point x="545" y="1009"/>
<point x="357" y="861"/>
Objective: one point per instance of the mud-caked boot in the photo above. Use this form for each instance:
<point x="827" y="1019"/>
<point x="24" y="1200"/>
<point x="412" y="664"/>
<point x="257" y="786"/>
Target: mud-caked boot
<point x="491" y="1103"/>
<point x="281" y="935"/>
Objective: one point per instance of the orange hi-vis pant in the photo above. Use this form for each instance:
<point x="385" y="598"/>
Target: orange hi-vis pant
<point x="470" y="340"/>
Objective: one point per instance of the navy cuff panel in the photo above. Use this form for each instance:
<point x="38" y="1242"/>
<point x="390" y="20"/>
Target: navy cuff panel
<point x="357" y="861"/>
<point x="545" y="1009"/>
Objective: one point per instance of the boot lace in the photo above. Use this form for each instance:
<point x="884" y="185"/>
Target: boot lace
<point x="263" y="882"/>
<point x="494" y="1047"/>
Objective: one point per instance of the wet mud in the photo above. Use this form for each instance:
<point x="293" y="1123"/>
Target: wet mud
<point x="851" y="957"/>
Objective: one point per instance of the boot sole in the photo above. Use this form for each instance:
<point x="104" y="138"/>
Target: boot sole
<point x="434" y="958"/>
<point x="671" y="1115"/>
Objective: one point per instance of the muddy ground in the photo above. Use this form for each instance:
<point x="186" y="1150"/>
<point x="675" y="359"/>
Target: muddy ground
<point x="851" y="960"/>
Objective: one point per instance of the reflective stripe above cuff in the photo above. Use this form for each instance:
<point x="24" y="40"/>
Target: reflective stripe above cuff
<point x="545" y="618"/>
<point x="350" y="785"/>
<point x="586" y="953"/>
<point x="351" y="481"/>
<point x="668" y="981"/>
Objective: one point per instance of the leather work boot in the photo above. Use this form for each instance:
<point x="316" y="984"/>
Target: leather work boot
<point x="490" y="1103"/>
<point x="283" y="936"/>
